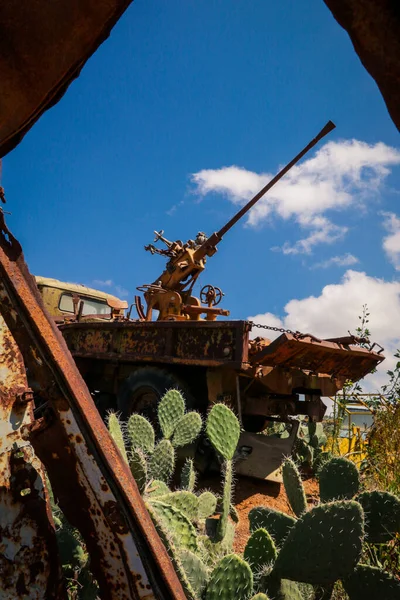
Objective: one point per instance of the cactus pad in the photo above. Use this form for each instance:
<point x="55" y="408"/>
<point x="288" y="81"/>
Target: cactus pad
<point x="294" y="487"/>
<point x="223" y="430"/>
<point x="260" y="550"/>
<point x="184" y="501"/>
<point x="231" y="579"/>
<point x="188" y="476"/>
<point x="170" y="410"/>
<point x="182" y="532"/>
<point x="138" y="467"/>
<point x="371" y="583"/>
<point x="260" y="596"/>
<point x="324" y="545"/>
<point x="196" y="571"/>
<point x="157" y="488"/>
<point x="381" y="514"/>
<point x="115" y="429"/>
<point x="275" y="522"/>
<point x="281" y="589"/>
<point x="140" y="433"/>
<point x="207" y="505"/>
<point x="187" y="429"/>
<point x="320" y="460"/>
<point x="226" y="501"/>
<point x="162" y="461"/>
<point x="338" y="480"/>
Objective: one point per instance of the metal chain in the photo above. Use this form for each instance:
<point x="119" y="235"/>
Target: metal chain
<point x="296" y="334"/>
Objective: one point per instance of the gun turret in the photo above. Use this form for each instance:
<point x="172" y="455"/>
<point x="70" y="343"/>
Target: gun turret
<point x="171" y="293"/>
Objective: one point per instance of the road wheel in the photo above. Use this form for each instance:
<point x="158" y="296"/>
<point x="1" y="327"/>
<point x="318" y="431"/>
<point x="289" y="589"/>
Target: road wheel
<point x="143" y="389"/>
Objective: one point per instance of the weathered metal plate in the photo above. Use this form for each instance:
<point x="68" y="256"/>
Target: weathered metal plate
<point x="200" y="343"/>
<point x="29" y="565"/>
<point x="349" y="362"/>
<point x="43" y="47"/>
<point x="92" y="482"/>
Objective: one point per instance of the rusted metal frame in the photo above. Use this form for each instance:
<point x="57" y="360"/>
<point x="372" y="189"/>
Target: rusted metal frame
<point x="142" y="358"/>
<point x="89" y="477"/>
<point x="29" y="563"/>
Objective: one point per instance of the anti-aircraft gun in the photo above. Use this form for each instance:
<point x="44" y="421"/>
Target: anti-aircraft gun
<point x="128" y="363"/>
<point x="171" y="293"/>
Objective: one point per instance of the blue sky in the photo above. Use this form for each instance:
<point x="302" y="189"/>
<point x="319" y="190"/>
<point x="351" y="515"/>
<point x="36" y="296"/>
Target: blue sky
<point x="144" y="139"/>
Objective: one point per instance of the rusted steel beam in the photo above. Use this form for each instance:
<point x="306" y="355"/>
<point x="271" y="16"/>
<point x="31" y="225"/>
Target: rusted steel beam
<point x="29" y="565"/>
<point x="90" y="479"/>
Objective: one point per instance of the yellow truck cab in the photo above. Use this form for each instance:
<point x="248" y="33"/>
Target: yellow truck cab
<point x="67" y="301"/>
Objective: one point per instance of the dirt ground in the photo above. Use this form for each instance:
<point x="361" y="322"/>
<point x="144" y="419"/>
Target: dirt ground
<point x="249" y="493"/>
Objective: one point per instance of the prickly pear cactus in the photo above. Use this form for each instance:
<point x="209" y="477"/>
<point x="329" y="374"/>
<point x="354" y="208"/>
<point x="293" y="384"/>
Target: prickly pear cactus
<point x="338" y="480"/>
<point x="186" y="502"/>
<point x="231" y="579"/>
<point x="260" y="596"/>
<point x="226" y="501"/>
<point x="115" y="429"/>
<point x="187" y="429"/>
<point x="223" y="430"/>
<point x="196" y="571"/>
<point x="168" y="541"/>
<point x="140" y="433"/>
<point x="275" y="522"/>
<point x="281" y="589"/>
<point x="181" y="530"/>
<point x="156" y="488"/>
<point x="213" y="550"/>
<point x="320" y="460"/>
<point x="170" y="410"/>
<point x="324" y="545"/>
<point x="207" y="505"/>
<point x="260" y="550"/>
<point x="162" y="461"/>
<point x="371" y="583"/>
<point x="294" y="487"/>
<point x="138" y="467"/>
<point x="382" y="515"/>
<point x="188" y="476"/>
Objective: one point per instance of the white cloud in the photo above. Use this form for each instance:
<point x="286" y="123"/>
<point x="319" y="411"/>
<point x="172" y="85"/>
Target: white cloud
<point x="347" y="260"/>
<point x="340" y="175"/>
<point x="336" y="310"/>
<point x="391" y="243"/>
<point x="121" y="291"/>
<point x="102" y="282"/>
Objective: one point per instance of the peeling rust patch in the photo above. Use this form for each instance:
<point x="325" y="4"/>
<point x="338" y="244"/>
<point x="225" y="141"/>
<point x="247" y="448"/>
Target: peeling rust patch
<point x="29" y="564"/>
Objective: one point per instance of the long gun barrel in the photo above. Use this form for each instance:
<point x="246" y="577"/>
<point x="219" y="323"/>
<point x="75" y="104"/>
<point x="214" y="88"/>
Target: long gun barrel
<point x="215" y="238"/>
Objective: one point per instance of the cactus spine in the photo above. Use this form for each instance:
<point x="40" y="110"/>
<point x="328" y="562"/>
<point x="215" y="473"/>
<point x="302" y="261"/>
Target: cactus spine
<point x="140" y="433"/>
<point x="371" y="583"/>
<point x="162" y="461"/>
<point x="196" y="571"/>
<point x="207" y="505"/>
<point x="170" y="410"/>
<point x="338" y="480"/>
<point x="115" y="429"/>
<point x="138" y="466"/>
<point x="188" y="476"/>
<point x="275" y="522"/>
<point x="260" y="550"/>
<point x="223" y="431"/>
<point x="382" y="516"/>
<point x="294" y="487"/>
<point x="231" y="579"/>
<point x="330" y="530"/>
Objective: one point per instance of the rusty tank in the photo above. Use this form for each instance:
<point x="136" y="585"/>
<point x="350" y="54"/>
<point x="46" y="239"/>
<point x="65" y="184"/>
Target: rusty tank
<point x="176" y="340"/>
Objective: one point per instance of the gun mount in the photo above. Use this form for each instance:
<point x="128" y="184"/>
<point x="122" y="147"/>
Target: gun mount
<point x="171" y="293"/>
